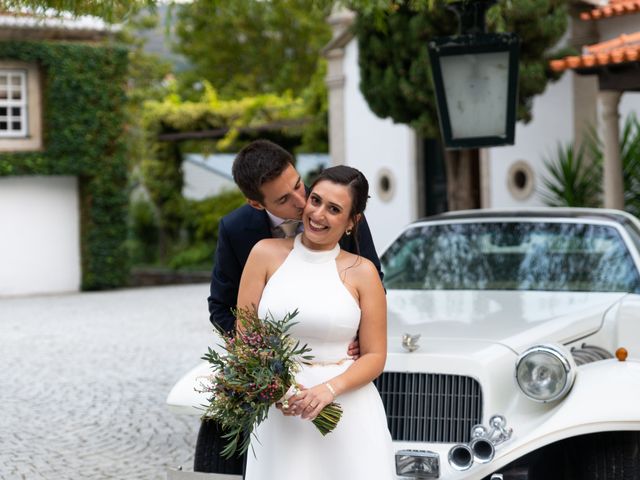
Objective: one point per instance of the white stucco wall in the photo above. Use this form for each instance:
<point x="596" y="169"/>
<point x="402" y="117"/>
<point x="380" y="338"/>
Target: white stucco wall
<point x="372" y="145"/>
<point x="39" y="235"/>
<point x="200" y="183"/>
<point x="552" y="123"/>
<point x="629" y="103"/>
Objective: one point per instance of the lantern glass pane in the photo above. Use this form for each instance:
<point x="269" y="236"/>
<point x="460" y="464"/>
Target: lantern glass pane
<point x="476" y="89"/>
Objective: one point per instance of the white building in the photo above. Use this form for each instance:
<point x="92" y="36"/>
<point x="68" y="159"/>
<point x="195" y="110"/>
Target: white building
<point x="40" y="248"/>
<point x="390" y="154"/>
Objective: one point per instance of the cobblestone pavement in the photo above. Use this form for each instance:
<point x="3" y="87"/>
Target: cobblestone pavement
<point x="84" y="378"/>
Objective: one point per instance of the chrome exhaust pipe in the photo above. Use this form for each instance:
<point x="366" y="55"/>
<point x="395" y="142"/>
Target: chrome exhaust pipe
<point x="461" y="457"/>
<point x="483" y="449"/>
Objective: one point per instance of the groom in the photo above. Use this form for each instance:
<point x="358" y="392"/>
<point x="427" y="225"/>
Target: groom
<point x="276" y="196"/>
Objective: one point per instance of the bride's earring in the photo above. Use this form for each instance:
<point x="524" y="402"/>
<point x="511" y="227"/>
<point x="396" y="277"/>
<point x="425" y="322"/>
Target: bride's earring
<point x="348" y="231"/>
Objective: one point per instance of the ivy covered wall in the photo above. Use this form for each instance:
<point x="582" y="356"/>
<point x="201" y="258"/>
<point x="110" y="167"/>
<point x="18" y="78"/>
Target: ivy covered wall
<point x="83" y="131"/>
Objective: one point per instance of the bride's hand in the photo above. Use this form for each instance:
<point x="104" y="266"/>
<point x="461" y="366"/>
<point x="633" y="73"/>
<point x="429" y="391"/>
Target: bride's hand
<point x="290" y="410"/>
<point x="310" y="402"/>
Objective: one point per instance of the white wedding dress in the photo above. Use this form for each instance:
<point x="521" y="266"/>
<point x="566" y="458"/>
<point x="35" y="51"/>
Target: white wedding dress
<point x="290" y="448"/>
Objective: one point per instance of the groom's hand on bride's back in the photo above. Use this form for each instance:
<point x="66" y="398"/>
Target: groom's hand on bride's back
<point x="353" y="350"/>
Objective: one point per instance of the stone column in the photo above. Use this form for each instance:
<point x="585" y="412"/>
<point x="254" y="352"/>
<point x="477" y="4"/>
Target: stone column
<point x="335" y="81"/>
<point x="613" y="180"/>
<point x="340" y="20"/>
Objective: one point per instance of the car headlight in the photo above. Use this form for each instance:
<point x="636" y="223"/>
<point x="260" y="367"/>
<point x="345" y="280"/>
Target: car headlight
<point x="545" y="373"/>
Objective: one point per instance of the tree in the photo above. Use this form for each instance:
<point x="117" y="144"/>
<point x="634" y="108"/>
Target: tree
<point x="394" y="60"/>
<point x="146" y="71"/>
<point x="396" y="74"/>
<point x="247" y="47"/>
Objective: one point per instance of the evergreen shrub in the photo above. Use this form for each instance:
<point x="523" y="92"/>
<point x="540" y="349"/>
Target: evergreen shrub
<point x="201" y="222"/>
<point x="143" y="233"/>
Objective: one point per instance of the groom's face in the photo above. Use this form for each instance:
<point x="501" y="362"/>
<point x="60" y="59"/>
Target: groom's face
<point x="284" y="196"/>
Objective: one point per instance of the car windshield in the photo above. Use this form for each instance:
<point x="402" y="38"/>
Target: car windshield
<point x="511" y="256"/>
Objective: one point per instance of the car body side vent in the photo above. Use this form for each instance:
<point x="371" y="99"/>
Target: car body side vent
<point x="589" y="353"/>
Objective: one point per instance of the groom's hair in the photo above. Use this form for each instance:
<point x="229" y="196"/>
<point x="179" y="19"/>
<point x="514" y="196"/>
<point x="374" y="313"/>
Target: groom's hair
<point x="259" y="162"/>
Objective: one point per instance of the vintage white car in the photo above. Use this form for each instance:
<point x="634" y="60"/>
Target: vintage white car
<point x="514" y="340"/>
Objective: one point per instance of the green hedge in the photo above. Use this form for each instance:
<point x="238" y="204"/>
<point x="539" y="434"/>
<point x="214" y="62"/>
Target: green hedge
<point x="201" y="222"/>
<point x="83" y="132"/>
<point x="199" y="232"/>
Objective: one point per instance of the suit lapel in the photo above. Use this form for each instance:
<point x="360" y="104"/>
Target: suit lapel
<point x="257" y="224"/>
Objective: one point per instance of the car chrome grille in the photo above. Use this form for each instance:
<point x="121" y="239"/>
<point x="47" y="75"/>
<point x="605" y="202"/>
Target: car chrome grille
<point x="429" y="407"/>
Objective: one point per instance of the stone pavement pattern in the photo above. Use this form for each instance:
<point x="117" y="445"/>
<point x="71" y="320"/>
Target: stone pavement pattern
<point x="84" y="378"/>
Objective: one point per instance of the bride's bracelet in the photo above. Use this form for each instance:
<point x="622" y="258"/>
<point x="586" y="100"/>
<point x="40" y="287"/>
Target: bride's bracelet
<point x="331" y="389"/>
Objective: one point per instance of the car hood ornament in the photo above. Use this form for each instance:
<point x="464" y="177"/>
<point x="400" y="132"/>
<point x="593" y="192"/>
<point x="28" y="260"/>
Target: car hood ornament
<point x="410" y="342"/>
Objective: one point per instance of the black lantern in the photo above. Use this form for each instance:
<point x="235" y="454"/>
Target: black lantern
<point x="475" y="76"/>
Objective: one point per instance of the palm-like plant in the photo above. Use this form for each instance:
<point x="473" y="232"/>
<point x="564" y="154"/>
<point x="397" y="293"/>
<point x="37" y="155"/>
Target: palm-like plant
<point x="630" y="152"/>
<point x="574" y="178"/>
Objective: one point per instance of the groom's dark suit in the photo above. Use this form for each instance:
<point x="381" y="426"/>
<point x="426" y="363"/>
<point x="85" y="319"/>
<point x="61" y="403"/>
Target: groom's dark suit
<point x="238" y="232"/>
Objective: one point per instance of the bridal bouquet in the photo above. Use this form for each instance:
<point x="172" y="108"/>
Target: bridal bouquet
<point x="256" y="370"/>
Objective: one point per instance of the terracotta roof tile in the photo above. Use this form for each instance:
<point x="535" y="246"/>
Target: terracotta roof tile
<point x="615" y="7"/>
<point x="623" y="49"/>
<point x="624" y="40"/>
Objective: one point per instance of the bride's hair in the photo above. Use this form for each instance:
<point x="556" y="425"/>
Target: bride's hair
<point x="358" y="188"/>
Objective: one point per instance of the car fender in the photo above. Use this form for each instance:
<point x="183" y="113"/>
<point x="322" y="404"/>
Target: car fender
<point x="604" y="398"/>
<point x="186" y="396"/>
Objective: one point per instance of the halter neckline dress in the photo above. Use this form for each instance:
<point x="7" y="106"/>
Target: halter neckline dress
<point x="290" y="448"/>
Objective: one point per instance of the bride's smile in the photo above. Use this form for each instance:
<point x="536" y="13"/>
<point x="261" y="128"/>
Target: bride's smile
<point x="315" y="226"/>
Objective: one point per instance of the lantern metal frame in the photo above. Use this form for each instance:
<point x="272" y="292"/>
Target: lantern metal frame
<point x="475" y="43"/>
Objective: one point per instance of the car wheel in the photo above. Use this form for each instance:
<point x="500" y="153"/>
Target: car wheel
<point x="208" y="447"/>
<point x="606" y="456"/>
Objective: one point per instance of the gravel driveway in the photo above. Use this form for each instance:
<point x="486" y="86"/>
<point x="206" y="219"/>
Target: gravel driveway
<point x="84" y="377"/>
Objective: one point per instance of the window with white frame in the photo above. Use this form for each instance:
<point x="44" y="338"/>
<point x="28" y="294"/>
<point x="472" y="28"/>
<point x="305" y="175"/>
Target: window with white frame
<point x="13" y="103"/>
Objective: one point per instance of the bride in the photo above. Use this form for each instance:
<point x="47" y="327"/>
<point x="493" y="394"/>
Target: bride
<point x="339" y="295"/>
